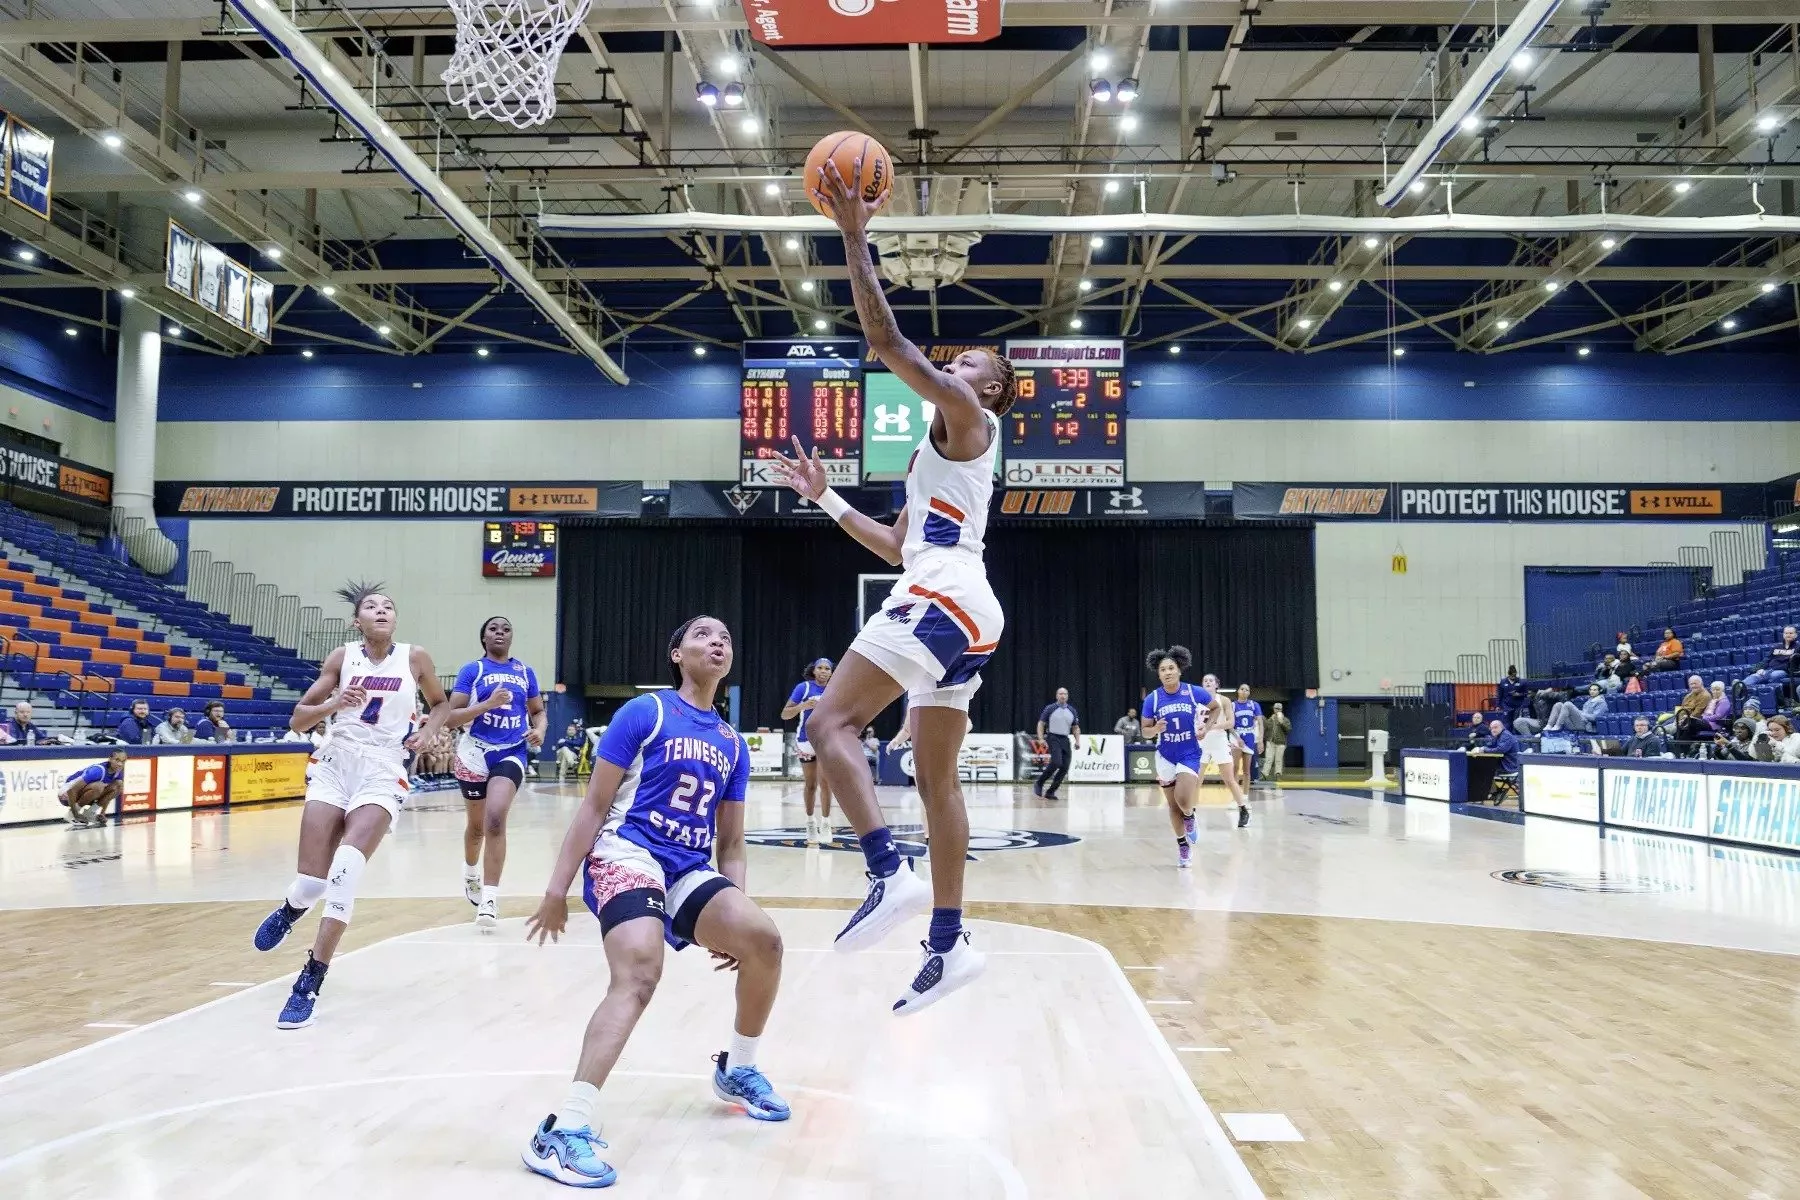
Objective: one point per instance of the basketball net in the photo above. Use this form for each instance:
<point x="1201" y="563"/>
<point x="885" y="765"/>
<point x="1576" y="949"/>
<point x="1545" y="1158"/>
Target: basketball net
<point x="507" y="52"/>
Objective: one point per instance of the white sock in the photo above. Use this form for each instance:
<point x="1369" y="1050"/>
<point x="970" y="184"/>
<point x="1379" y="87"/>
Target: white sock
<point x="471" y="870"/>
<point x="742" y="1052"/>
<point x="577" y="1108"/>
<point x="490" y="893"/>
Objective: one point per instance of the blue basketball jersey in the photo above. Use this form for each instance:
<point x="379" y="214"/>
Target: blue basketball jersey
<point x="1244" y="715"/>
<point x="806" y="689"/>
<point x="1182" y="710"/>
<point x="680" y="764"/>
<point x="507" y="725"/>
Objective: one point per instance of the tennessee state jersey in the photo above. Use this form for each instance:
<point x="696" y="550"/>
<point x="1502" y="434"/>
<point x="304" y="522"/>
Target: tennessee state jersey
<point x="806" y="689"/>
<point x="947" y="502"/>
<point x="1181" y="711"/>
<point x="386" y="719"/>
<point x="507" y="725"/>
<point x="680" y="764"/>
<point x="1244" y="715"/>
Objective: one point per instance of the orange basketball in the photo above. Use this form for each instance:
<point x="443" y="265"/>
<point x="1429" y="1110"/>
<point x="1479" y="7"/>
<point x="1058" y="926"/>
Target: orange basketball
<point x="874" y="180"/>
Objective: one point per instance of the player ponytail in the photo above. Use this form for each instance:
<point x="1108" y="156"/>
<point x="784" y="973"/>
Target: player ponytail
<point x="355" y="591"/>
<point x="1179" y="655"/>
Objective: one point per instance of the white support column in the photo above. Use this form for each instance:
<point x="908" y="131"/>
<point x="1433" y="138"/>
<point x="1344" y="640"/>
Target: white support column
<point x="134" y="437"/>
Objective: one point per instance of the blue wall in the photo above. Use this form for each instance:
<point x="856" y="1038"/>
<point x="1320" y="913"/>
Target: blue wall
<point x="1320" y="745"/>
<point x="38" y="358"/>
<point x="1238" y="386"/>
<point x="1566" y="608"/>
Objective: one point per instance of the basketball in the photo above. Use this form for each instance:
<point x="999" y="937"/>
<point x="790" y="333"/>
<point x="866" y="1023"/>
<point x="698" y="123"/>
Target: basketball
<point x="876" y="178"/>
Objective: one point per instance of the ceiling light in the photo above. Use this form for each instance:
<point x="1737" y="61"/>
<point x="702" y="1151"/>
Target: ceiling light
<point x="1174" y="349"/>
<point x="1305" y="322"/>
<point x="1086" y="285"/>
<point x="174" y="331"/>
<point x="1521" y="61"/>
<point x="192" y="196"/>
<point x="771" y="188"/>
<point x="1128" y="123"/>
<point x="1682" y="187"/>
<point x="1550" y="285"/>
<point x="1336" y="285"/>
<point x="1399" y="351"/>
<point x="306" y="354"/>
<point x="1097" y="242"/>
<point x="728" y="66"/>
<point x="1768" y="285"/>
<point x="111" y="141"/>
<point x="806" y="285"/>
<point x="1503" y="324"/>
<point x="1099" y="59"/>
<point x="699" y="351"/>
<point x="1470" y="123"/>
<point x="481" y="352"/>
<point x="1127" y="91"/>
<point x="1112" y="186"/>
<point x="748" y="126"/>
<point x="1768" y="123"/>
<point x="1100" y="90"/>
<point x="1607" y="243"/>
<point x="27" y="254"/>
<point x="128" y="293"/>
<point x="384" y="330"/>
<point x="1416" y="186"/>
<point x="1074" y="322"/>
<point x="273" y="253"/>
<point x="706" y="94"/>
<point x="733" y="95"/>
<point x="328" y="291"/>
<point x="792" y="243"/>
<point x="1728" y="324"/>
<point x="71" y="331"/>
<point x="1585" y="351"/>
<point x="1371" y="242"/>
<point x="820" y="323"/>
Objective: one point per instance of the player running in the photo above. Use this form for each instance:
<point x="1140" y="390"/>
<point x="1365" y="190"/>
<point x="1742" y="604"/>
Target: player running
<point x="800" y="703"/>
<point x="1247" y="731"/>
<point x="667" y="795"/>
<point x="1216" y="747"/>
<point x="1176" y="715"/>
<point x="506" y="721"/>
<point x="933" y="633"/>
<point x="357" y="780"/>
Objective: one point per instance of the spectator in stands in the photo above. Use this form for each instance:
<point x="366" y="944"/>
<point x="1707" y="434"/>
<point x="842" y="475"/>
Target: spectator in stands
<point x="1129" y="727"/>
<point x="20" y="730"/>
<point x="1754" y="714"/>
<point x="1718" y="709"/>
<point x="1744" y="744"/>
<point x="1645" y="744"/>
<point x="1783" y="740"/>
<point x="89" y="792"/>
<point x="1668" y="654"/>
<point x="1275" y="732"/>
<point x="1579" y="720"/>
<point x="1626" y="668"/>
<point x="136" y="728"/>
<point x="174" y="730"/>
<point x="1780" y="663"/>
<point x="1624" y="646"/>
<point x="568" y="750"/>
<point x="1513" y="695"/>
<point x="1606" y="675"/>
<point x="1690" y="714"/>
<point x="1501" y="741"/>
<point x="212" y="726"/>
<point x="1478" y="730"/>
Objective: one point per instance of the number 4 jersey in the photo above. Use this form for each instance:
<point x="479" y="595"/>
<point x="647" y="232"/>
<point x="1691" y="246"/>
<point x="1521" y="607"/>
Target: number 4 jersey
<point x="386" y="719"/>
<point x="680" y="764"/>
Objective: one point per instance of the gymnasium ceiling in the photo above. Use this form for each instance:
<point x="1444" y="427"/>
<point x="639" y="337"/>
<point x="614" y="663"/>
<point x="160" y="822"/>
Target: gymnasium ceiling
<point x="1677" y="107"/>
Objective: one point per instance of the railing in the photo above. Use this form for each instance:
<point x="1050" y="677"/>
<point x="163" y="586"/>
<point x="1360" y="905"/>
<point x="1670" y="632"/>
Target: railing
<point x="269" y="612"/>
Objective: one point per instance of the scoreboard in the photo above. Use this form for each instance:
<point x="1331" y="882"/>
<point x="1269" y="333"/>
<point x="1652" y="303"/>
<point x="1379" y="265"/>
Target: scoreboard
<point x="518" y="549"/>
<point x="810" y="388"/>
<point x="1068" y="427"/>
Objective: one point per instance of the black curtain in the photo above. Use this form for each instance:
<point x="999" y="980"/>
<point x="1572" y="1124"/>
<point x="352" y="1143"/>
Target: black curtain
<point x="1083" y="604"/>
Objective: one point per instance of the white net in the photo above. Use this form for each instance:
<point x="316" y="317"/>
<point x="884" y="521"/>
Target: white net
<point x="507" y="51"/>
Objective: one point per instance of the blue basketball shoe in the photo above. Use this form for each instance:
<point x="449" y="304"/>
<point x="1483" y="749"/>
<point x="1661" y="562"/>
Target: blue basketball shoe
<point x="297" y="1013"/>
<point x="569" y="1156"/>
<point x="277" y="925"/>
<point x="747" y="1088"/>
<point x="1193" y="829"/>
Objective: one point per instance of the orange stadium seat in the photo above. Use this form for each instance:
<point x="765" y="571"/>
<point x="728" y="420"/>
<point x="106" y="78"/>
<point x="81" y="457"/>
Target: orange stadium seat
<point x="159" y="688"/>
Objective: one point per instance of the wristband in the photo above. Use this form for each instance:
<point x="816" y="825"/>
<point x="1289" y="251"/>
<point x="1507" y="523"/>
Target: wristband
<point x="833" y="505"/>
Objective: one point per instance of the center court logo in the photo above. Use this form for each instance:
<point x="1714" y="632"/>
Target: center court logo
<point x="1602" y="881"/>
<point x="910" y="841"/>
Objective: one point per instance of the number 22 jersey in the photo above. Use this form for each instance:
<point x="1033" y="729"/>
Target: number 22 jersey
<point x="680" y="764"/>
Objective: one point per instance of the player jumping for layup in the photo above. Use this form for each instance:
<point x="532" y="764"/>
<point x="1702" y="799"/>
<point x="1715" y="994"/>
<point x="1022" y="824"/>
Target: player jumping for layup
<point x="932" y="635"/>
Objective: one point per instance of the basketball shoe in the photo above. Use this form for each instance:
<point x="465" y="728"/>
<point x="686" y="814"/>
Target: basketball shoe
<point x="569" y="1156"/>
<point x="749" y="1089"/>
<point x="891" y="900"/>
<point x="940" y="973"/>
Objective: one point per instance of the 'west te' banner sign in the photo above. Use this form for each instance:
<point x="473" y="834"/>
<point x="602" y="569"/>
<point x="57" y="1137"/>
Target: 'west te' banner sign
<point x="871" y="22"/>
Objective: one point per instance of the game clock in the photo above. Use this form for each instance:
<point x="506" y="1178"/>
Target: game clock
<point x="1068" y="427"/>
<point x="805" y="388"/>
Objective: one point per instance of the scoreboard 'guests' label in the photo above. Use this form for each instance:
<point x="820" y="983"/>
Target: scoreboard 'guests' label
<point x="409" y="500"/>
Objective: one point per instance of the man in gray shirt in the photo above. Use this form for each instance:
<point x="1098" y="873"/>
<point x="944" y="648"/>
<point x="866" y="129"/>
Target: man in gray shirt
<point x="1056" y="725"/>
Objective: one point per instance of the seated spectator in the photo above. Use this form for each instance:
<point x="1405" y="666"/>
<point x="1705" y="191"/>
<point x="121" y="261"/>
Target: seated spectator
<point x="1668" y="654"/>
<point x="1478" y="730"/>
<point x="212" y="726"/>
<point x="1624" y="646"/>
<point x="1718" y="711"/>
<point x="1607" y="674"/>
<point x="568" y="750"/>
<point x="1500" y="740"/>
<point x="1512" y="694"/>
<point x="1780" y="663"/>
<point x="1644" y="744"/>
<point x="1579" y="720"/>
<point x="136" y="728"/>
<point x="20" y="730"/>
<point x="1545" y="699"/>
<point x="1754" y="714"/>
<point x="1129" y="727"/>
<point x="89" y="792"/>
<point x="174" y="730"/>
<point x="1744" y="744"/>
<point x="1690" y="714"/>
<point x="1626" y="669"/>
<point x="1783" y="741"/>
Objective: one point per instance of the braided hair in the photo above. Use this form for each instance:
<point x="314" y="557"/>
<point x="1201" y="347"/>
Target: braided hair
<point x="1009" y="383"/>
<point x="1181" y="656"/>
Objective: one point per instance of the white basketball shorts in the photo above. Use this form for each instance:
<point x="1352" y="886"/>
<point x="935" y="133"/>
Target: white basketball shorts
<point x="1215" y="747"/>
<point x="348" y="780"/>
<point x="1166" y="771"/>
<point x="936" y="629"/>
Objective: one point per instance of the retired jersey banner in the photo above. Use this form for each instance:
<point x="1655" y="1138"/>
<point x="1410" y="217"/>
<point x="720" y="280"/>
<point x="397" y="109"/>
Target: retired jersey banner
<point x="397" y="501"/>
<point x="871" y="22"/>
<point x="1497" y="501"/>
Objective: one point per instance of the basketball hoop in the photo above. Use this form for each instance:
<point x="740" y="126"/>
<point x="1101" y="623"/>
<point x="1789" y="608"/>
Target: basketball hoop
<point x="506" y="56"/>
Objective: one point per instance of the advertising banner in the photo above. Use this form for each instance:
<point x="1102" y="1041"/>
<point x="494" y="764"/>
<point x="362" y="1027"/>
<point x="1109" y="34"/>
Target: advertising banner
<point x="28" y="167"/>
<point x="767" y="753"/>
<point x="139" y="793"/>
<point x="693" y="498"/>
<point x="28" y="789"/>
<point x="1138" y="502"/>
<point x="399" y="500"/>
<point x="1427" y="778"/>
<point x="29" y="468"/>
<point x="174" y="781"/>
<point x="269" y="775"/>
<point x="1097" y="758"/>
<point x="518" y="550"/>
<point x="1497" y="501"/>
<point x="985" y="758"/>
<point x="895" y="421"/>
<point x="871" y="22"/>
<point x="1756" y="809"/>
<point x="1556" y="790"/>
<point x="209" y="780"/>
<point x="1666" y="801"/>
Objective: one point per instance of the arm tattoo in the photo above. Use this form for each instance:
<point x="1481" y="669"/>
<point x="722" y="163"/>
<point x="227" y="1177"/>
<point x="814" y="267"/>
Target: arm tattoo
<point x="872" y="308"/>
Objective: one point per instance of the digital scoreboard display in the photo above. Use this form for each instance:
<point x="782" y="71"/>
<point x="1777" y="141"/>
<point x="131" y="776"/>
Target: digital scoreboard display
<point x="805" y="388"/>
<point x="1068" y="427"/>
<point x="518" y="549"/>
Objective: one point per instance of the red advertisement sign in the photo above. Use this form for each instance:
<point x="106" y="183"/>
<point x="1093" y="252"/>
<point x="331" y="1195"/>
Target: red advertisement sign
<point x="209" y="780"/>
<point x="871" y="22"/>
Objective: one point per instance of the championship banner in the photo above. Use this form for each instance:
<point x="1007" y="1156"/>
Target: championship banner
<point x="268" y="776"/>
<point x="403" y="500"/>
<point x="24" y="467"/>
<point x="1497" y="501"/>
<point x="28" y="167"/>
<point x="872" y="22"/>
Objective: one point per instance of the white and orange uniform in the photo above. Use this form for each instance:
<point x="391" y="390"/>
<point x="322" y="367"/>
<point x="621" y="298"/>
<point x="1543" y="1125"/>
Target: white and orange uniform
<point x="363" y="757"/>
<point x="941" y="622"/>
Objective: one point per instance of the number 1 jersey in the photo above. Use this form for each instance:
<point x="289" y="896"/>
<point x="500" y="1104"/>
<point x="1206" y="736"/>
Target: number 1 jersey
<point x="680" y="763"/>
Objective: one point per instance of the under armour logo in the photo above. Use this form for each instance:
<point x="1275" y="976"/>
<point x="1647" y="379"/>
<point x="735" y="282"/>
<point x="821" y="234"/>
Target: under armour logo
<point x="1129" y="499"/>
<point x="742" y="499"/>
<point x="892" y="419"/>
<point x="654" y="903"/>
